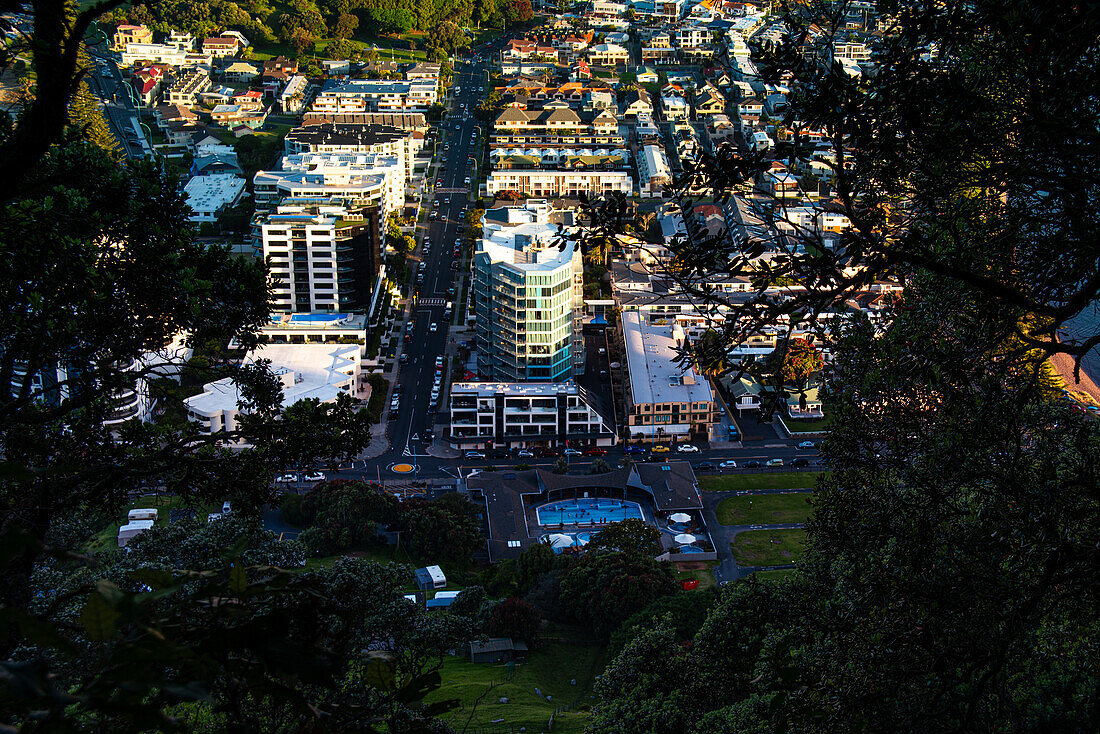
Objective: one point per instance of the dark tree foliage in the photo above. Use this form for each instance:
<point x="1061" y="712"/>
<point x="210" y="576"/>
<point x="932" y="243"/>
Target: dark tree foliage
<point x="633" y="536"/>
<point x="684" y="613"/>
<point x="603" y="589"/>
<point x="514" y="618"/>
<point x="340" y="515"/>
<point x="446" y="529"/>
<point x="950" y="577"/>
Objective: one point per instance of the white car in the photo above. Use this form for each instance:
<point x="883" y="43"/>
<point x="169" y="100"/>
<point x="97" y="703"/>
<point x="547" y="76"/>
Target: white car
<point x="730" y="464"/>
<point x="433" y="327"/>
<point x="317" y="476"/>
<point x="687" y="448"/>
<point x="287" y="478"/>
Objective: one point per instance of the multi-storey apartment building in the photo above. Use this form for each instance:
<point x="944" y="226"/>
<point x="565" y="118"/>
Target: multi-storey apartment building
<point x="342" y="138"/>
<point x="654" y="172"/>
<point x="126" y="34"/>
<point x="360" y="179"/>
<point x="525" y="414"/>
<point x="324" y="257"/>
<point x="185" y="90"/>
<point x="528" y="296"/>
<point x="375" y="95"/>
<point x="664" y="401"/>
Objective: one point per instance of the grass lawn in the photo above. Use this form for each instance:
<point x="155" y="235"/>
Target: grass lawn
<point x="777" y="574"/>
<point x="808" y="426"/>
<point x="108" y="537"/>
<point x="770" y="480"/>
<point x="704" y="575"/>
<point x="763" y="509"/>
<point x="549" y="669"/>
<point x="768" y="547"/>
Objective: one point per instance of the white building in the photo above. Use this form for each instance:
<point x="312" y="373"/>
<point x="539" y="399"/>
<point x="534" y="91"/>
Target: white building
<point x="160" y="53"/>
<point x="375" y="95"/>
<point x="323" y="258"/>
<point x="359" y="178"/>
<point x="293" y="97"/>
<point x="320" y="371"/>
<point x="528" y="296"/>
<point x="525" y="414"/>
<point x="357" y="138"/>
<point x="654" y="172"/>
<point x="559" y="184"/>
<point x="211" y="195"/>
<point x="664" y="402"/>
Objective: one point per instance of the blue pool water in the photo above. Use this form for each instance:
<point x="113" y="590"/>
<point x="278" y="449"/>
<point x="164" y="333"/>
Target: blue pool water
<point x="573" y="512"/>
<point x="689" y="549"/>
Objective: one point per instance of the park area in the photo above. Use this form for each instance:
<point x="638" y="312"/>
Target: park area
<point x="765" y="509"/>
<point x="768" y="547"/>
<point x="548" y="670"/>
<point x="766" y="480"/>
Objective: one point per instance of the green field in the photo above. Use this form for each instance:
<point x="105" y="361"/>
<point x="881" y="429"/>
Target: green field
<point x="108" y="537"/>
<point x="764" y="509"/>
<point x="549" y="669"/>
<point x="768" y="547"/>
<point x="775" y="575"/>
<point x="808" y="426"/>
<point x="703" y="575"/>
<point x="771" y="480"/>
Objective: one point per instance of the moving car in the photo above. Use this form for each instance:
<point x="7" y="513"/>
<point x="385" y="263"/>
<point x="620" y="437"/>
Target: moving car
<point x="595" y="452"/>
<point x="404" y="359"/>
<point x="687" y="448"/>
<point x="287" y="478"/>
<point x="474" y="455"/>
<point x="660" y="449"/>
<point x="775" y="462"/>
<point x="433" y="327"/>
<point x="637" y="450"/>
<point x="317" y="476"/>
<point x="728" y="464"/>
<point x="807" y="445"/>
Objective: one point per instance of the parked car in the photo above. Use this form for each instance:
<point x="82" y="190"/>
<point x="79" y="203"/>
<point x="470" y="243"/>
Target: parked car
<point x="704" y="466"/>
<point x="474" y="455"/>
<point x="525" y="454"/>
<point x="545" y="452"/>
<point x="687" y="448"/>
<point x="404" y="358"/>
<point x="595" y="452"/>
<point x="660" y="449"/>
<point x="499" y="454"/>
<point x="317" y="476"/>
<point x="775" y="462"/>
<point x="728" y="464"/>
<point x="800" y="462"/>
<point x="287" y="478"/>
<point x="637" y="450"/>
<point x="807" y="445"/>
<point x="572" y="452"/>
<point x="754" y="464"/>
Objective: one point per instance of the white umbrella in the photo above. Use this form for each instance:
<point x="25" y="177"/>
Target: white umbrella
<point x="680" y="517"/>
<point x="561" y="540"/>
<point x="684" y="538"/>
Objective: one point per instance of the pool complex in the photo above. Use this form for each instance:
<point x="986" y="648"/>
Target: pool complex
<point x="579" y="540"/>
<point x="575" y="512"/>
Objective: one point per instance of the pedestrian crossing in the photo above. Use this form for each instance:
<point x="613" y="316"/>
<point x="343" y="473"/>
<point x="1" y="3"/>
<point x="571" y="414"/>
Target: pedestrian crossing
<point x="431" y="302"/>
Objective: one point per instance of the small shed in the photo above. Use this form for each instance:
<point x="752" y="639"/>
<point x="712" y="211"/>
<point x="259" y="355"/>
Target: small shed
<point x="498" y="650"/>
<point x="443" y="599"/>
<point x="430" y="577"/>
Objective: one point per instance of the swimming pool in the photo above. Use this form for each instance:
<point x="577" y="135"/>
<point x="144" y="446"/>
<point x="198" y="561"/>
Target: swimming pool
<point x="575" y="512"/>
<point x="555" y="540"/>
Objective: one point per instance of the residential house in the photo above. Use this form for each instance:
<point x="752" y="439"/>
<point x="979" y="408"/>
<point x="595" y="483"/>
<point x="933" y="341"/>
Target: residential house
<point x="167" y="114"/>
<point x="423" y="71"/>
<point x="645" y="75"/>
<point x="250" y="100"/>
<point x="608" y="54"/>
<point x="673" y="104"/>
<point x="147" y="82"/>
<point x="221" y="47"/>
<point x="659" y="50"/>
<point x="292" y="98"/>
<point x="182" y="40"/>
<point x="709" y="101"/>
<point x="233" y="116"/>
<point x="637" y="102"/>
<point x="185" y="89"/>
<point x="126" y="34"/>
<point x="654" y="171"/>
<point x="240" y="72"/>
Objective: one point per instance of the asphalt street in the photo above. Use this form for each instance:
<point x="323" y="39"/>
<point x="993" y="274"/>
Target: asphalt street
<point x="118" y="107"/>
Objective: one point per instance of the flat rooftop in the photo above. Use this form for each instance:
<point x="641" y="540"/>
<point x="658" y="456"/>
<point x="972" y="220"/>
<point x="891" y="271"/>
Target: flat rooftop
<point x="655" y="374"/>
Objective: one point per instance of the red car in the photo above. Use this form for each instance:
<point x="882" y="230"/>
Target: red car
<point x="595" y="452"/>
<point x="545" y="453"/>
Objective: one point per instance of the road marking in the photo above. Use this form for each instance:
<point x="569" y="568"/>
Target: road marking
<point x="424" y="302"/>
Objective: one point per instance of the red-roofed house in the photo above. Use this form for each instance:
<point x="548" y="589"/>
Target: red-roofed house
<point x="147" y="82"/>
<point x="250" y="100"/>
<point x="221" y="47"/>
<point x="519" y="49"/>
